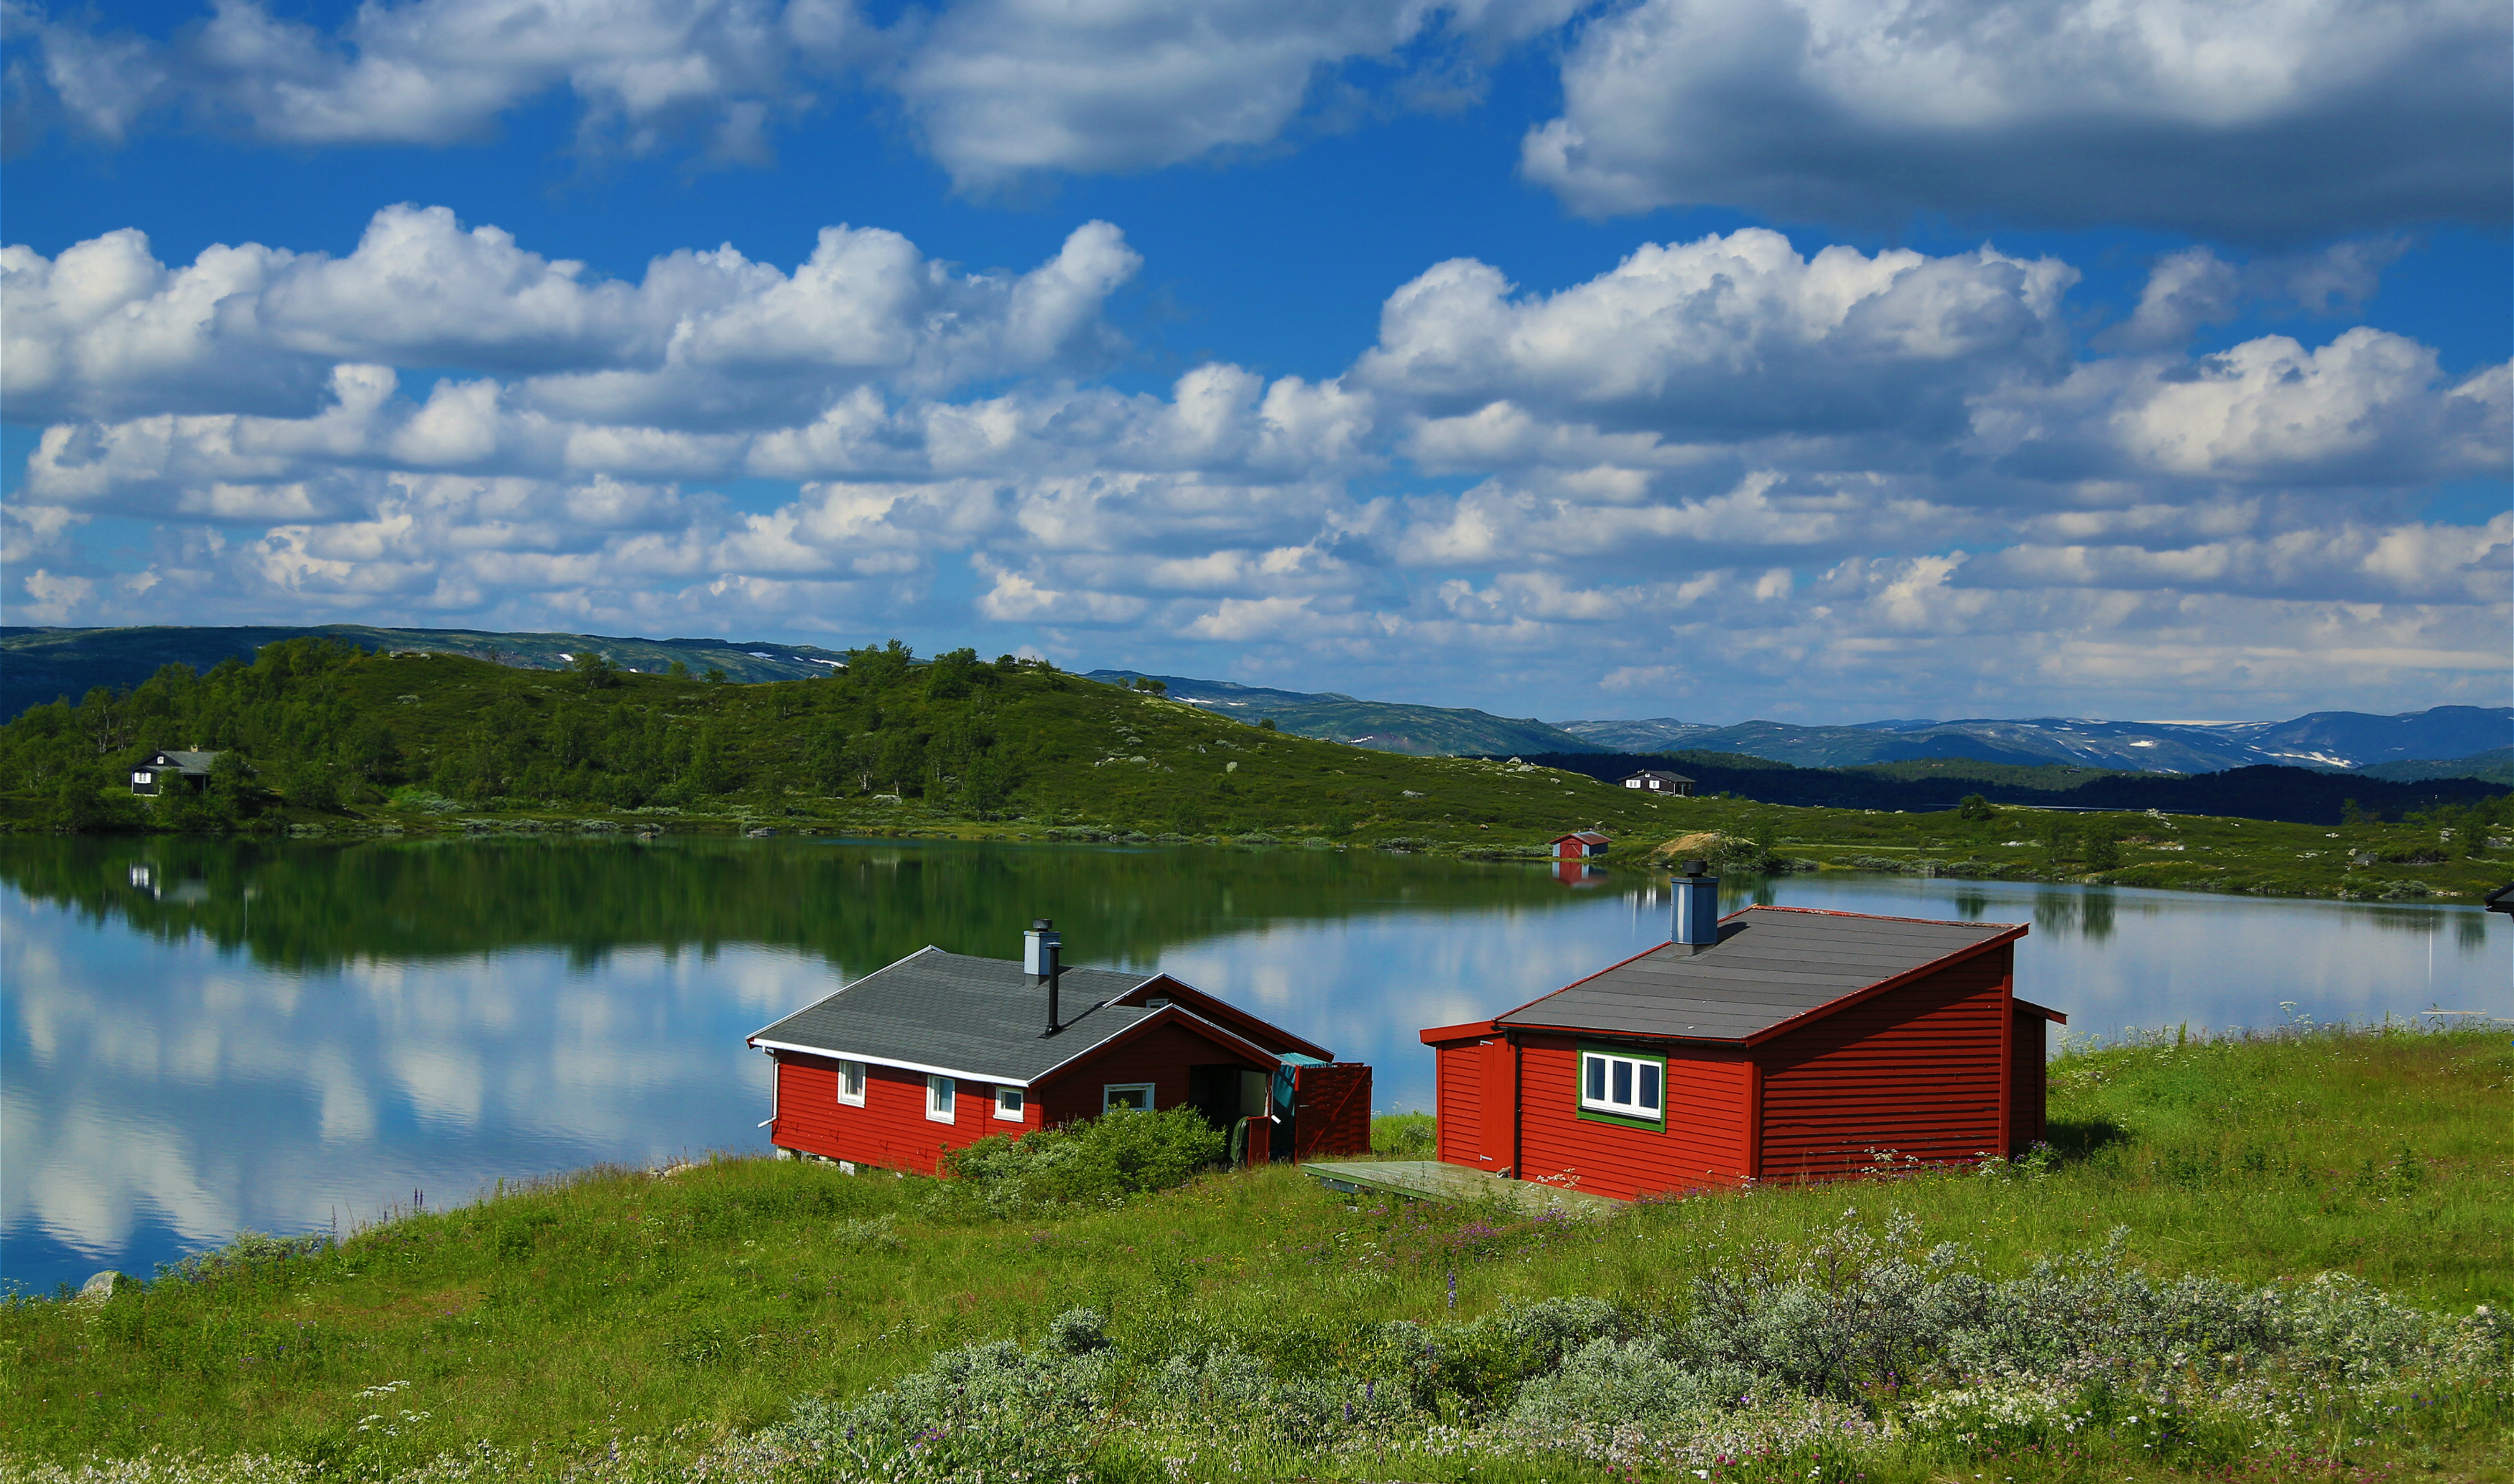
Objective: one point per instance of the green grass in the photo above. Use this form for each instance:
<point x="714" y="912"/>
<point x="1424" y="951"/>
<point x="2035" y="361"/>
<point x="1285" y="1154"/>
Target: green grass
<point x="691" y="1308"/>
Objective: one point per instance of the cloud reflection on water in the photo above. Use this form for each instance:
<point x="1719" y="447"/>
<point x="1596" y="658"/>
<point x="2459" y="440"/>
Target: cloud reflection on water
<point x="164" y="1091"/>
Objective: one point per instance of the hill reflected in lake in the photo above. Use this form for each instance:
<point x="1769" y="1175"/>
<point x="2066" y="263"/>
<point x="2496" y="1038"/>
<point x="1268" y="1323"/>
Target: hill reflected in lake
<point x="310" y="905"/>
<point x="202" y="1035"/>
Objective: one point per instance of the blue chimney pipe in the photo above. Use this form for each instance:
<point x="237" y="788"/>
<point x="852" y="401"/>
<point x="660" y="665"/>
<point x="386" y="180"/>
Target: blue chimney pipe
<point x="1697" y="907"/>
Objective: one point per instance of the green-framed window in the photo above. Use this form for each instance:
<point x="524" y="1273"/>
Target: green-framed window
<point x="1621" y="1085"/>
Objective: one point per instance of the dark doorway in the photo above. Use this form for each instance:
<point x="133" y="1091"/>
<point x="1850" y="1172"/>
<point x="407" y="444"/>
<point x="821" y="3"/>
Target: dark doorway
<point x="1213" y="1090"/>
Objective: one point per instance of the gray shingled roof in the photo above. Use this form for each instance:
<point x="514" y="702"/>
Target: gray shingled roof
<point x="1770" y="965"/>
<point x="189" y="762"/>
<point x="983" y="1018"/>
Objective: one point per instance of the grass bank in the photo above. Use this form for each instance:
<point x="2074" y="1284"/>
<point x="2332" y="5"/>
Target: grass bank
<point x="625" y="1323"/>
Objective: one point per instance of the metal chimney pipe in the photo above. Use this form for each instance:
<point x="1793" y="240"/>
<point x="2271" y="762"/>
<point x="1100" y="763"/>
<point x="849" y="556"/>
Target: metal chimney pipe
<point x="1042" y="952"/>
<point x="1697" y="908"/>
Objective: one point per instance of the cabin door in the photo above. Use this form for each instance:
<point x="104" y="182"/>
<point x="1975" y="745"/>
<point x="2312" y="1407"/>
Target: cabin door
<point x="1500" y="1104"/>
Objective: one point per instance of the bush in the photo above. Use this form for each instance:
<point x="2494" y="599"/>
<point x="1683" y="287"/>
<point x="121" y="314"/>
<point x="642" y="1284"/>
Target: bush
<point x="983" y="1411"/>
<point x="1091" y="1161"/>
<point x="1631" y="1383"/>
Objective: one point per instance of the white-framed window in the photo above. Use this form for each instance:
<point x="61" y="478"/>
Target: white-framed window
<point x="1008" y="1103"/>
<point x="1126" y="1095"/>
<point x="851" y="1078"/>
<point x="143" y="776"/>
<point x="1623" y="1085"/>
<point x="942" y="1099"/>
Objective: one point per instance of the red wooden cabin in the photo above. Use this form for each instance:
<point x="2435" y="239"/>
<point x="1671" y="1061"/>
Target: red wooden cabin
<point x="940" y="1050"/>
<point x="1580" y="845"/>
<point x="1795" y="1047"/>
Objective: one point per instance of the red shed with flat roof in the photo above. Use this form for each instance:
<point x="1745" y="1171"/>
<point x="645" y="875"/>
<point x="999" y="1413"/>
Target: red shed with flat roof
<point x="1798" y="1045"/>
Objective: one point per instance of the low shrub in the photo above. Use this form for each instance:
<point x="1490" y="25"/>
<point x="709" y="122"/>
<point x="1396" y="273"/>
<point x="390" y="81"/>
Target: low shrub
<point x="1093" y="1160"/>
<point x="1836" y="1349"/>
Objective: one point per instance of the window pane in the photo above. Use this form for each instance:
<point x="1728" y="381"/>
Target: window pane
<point x="1649" y="1085"/>
<point x="1623" y="1082"/>
<point x="1597" y="1078"/>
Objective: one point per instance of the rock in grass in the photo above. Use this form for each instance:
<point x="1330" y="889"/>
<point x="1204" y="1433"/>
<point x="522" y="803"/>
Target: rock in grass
<point x="103" y="1286"/>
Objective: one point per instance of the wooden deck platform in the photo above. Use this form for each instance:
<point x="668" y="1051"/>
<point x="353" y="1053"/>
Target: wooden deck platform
<point x="1429" y="1180"/>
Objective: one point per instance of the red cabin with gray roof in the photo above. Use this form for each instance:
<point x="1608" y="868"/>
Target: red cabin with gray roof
<point x="941" y="1050"/>
<point x="1783" y="1043"/>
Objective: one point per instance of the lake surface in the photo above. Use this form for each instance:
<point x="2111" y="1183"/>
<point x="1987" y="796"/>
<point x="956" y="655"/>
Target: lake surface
<point x="202" y="1036"/>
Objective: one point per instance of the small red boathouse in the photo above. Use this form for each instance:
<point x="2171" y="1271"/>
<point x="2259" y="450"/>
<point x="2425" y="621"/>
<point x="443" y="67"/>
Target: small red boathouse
<point x="941" y="1050"/>
<point x="1790" y="1044"/>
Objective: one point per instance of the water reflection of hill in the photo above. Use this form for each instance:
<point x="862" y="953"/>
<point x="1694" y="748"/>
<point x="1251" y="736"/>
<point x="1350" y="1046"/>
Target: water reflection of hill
<point x="858" y="904"/>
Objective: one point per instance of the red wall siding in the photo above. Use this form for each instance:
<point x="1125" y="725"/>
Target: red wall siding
<point x="1160" y="1056"/>
<point x="1919" y="1070"/>
<point x="1331" y="1110"/>
<point x="1704" y="1143"/>
<point x="1458" y="1107"/>
<point x="890" y="1130"/>
<point x="2025" y="1089"/>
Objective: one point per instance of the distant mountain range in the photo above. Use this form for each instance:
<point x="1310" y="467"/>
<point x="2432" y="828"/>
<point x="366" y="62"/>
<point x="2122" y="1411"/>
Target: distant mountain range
<point x="2441" y="740"/>
<point x="2338" y="741"/>
<point x="1384" y="726"/>
<point x="37" y="665"/>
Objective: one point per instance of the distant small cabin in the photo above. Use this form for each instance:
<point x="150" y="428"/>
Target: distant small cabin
<point x="1580" y="845"/>
<point x="1653" y="780"/>
<point x="941" y="1050"/>
<point x="164" y="769"/>
<point x="1798" y="1045"/>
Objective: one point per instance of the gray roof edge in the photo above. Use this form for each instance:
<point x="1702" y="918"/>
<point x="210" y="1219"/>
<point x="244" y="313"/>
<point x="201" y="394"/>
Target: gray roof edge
<point x="1989" y="933"/>
<point x="835" y="993"/>
<point x="873" y="1061"/>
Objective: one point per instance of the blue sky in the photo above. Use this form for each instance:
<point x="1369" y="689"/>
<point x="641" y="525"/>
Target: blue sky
<point x="1680" y="357"/>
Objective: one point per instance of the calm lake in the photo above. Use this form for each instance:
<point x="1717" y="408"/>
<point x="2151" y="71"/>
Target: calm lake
<point x="199" y="1036"/>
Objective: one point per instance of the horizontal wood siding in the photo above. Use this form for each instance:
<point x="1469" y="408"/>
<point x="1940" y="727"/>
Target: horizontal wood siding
<point x="1704" y="1143"/>
<point x="890" y="1130"/>
<point x="1917" y="1069"/>
<point x="1160" y="1056"/>
<point x="2025" y="1086"/>
<point x="1458" y="1107"/>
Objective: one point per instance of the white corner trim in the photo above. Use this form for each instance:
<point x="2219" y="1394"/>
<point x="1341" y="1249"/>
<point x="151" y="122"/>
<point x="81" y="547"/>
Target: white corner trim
<point x="960" y="1073"/>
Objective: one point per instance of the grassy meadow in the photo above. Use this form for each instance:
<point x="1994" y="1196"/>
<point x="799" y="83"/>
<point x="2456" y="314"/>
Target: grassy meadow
<point x="638" y="1324"/>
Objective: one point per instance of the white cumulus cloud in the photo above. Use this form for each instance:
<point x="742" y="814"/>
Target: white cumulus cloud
<point x="1887" y="474"/>
<point x="2257" y="120"/>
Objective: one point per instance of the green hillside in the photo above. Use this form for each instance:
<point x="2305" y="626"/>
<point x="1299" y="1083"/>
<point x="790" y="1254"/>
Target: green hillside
<point x="323" y="739"/>
<point x="2497" y="766"/>
<point x="40" y="664"/>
